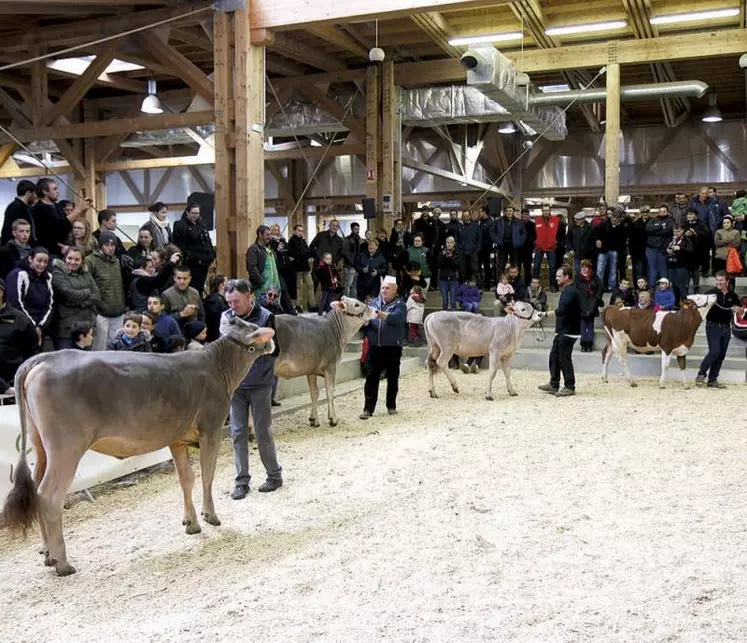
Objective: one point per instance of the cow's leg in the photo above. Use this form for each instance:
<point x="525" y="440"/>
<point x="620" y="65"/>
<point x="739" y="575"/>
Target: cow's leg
<point x="443" y="365"/>
<point x="606" y="357"/>
<point x="665" y="361"/>
<point x="682" y="363"/>
<point x="329" y="386"/>
<point x="187" y="481"/>
<point x="494" y="358"/>
<point x="506" y="366"/>
<point x="622" y="357"/>
<point x="40" y="468"/>
<point x="432" y="362"/>
<point x="314" y="394"/>
<point x="209" y="444"/>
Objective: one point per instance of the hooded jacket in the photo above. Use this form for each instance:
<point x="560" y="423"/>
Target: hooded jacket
<point x="107" y="273"/>
<point x="76" y="296"/>
<point x="194" y="241"/>
<point x="32" y="294"/>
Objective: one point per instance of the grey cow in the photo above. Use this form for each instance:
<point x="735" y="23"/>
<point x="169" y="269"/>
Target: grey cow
<point x="122" y="405"/>
<point x="467" y="335"/>
<point x="312" y="346"/>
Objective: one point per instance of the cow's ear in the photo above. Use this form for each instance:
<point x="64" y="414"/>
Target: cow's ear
<point x="338" y="305"/>
<point x="510" y="310"/>
<point x="261" y="336"/>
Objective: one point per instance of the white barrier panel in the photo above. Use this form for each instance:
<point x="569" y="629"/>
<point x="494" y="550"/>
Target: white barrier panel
<point x="93" y="469"/>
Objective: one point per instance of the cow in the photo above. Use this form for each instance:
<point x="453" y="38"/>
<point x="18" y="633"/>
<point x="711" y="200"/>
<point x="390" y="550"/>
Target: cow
<point x="124" y="404"/>
<point x="645" y="331"/>
<point x="466" y="334"/>
<point x="312" y="346"/>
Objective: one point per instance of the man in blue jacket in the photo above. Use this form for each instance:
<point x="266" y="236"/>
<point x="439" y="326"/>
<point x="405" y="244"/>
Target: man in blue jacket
<point x="385" y="335"/>
<point x="255" y="393"/>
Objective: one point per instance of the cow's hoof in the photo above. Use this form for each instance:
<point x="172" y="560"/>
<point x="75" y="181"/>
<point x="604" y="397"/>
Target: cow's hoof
<point x="455" y="389"/>
<point x="605" y="380"/>
<point x="64" y="569"/>
<point x="333" y="422"/>
<point x="191" y="527"/>
<point x="313" y="422"/>
<point x="211" y="519"/>
<point x="635" y="384"/>
<point x="433" y="395"/>
<point x="662" y="387"/>
<point x="48" y="562"/>
<point x="513" y="393"/>
<point x="489" y="398"/>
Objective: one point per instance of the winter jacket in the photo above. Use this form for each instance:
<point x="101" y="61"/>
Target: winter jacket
<point x="325" y="242"/>
<point x="613" y="238"/>
<point x="518" y="232"/>
<point x="32" y="294"/>
<point x="389" y="331"/>
<point x="76" y="296"/>
<point x="452" y="229"/>
<point x="658" y="234"/>
<point x="470" y="238"/>
<point x="143" y="285"/>
<point x="10" y="257"/>
<point x="262" y="372"/>
<point x="119" y="249"/>
<point x="487" y="226"/>
<point x="448" y="266"/>
<point x="590" y="295"/>
<point x="399" y="241"/>
<point x="684" y="257"/>
<point x="701" y="235"/>
<point x="415" y="309"/>
<point x="725" y="239"/>
<point x="467" y="294"/>
<point x="368" y="283"/>
<point x="628" y="297"/>
<point x="739" y="206"/>
<point x="138" y="344"/>
<point x="16" y="209"/>
<point x="283" y="256"/>
<point x="137" y="252"/>
<point x="328" y="278"/>
<point x="678" y="214"/>
<point x="420" y="256"/>
<point x="194" y="241"/>
<point x="581" y="241"/>
<point x="156" y="231"/>
<point x="178" y="300"/>
<point x="300" y="252"/>
<point x="520" y="289"/>
<point x="637" y="237"/>
<point x="166" y="326"/>
<point x="18" y="340"/>
<point x="708" y="212"/>
<point x="546" y="233"/>
<point x="214" y="305"/>
<point x="256" y="258"/>
<point x="350" y="247"/>
<point x="51" y="226"/>
<point x="537" y="298"/>
<point x="664" y="299"/>
<point x="531" y="238"/>
<point x="568" y="312"/>
<point x="430" y="228"/>
<point x="107" y="273"/>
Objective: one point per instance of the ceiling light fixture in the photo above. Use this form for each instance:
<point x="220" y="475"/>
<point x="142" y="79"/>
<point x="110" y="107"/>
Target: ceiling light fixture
<point x="486" y="38"/>
<point x="507" y="128"/>
<point x="151" y="104"/>
<point x="692" y="16"/>
<point x="586" y="28"/>
<point x="713" y="113"/>
<point x="548" y="89"/>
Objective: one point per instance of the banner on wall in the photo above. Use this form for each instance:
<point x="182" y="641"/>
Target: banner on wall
<point x="93" y="469"/>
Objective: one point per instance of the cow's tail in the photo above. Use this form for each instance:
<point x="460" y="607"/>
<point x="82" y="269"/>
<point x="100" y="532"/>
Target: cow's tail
<point x="607" y="335"/>
<point x="431" y="359"/>
<point x="22" y="503"/>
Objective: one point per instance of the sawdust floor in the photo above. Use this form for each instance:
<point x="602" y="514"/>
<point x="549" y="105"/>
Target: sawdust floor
<point x="618" y="515"/>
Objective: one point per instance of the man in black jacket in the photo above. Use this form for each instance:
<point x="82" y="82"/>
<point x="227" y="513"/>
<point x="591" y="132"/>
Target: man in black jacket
<point x="52" y="225"/>
<point x="19" y="208"/>
<point x="658" y="236"/>
<point x="302" y="259"/>
<point x="567" y="330"/>
<point x="637" y="243"/>
<point x="581" y="240"/>
<point x="484" y="263"/>
<point x="350" y="248"/>
<point x="328" y="241"/>
<point x="18" y="339"/>
<point x="525" y="252"/>
<point x="697" y="231"/>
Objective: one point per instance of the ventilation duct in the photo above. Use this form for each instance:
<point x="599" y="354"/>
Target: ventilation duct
<point x="679" y="89"/>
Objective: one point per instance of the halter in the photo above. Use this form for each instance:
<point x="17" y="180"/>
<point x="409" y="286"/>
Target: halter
<point x="251" y="348"/>
<point x="520" y="317"/>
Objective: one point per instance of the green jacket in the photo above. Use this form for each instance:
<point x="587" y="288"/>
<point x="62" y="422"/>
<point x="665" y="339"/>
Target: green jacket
<point x="107" y="273"/>
<point x="420" y="256"/>
<point x="76" y="296"/>
<point x="178" y="300"/>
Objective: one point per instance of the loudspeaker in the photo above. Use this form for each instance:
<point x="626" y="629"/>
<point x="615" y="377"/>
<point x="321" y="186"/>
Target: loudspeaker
<point x="206" y="201"/>
<point x="495" y="205"/>
<point x="369" y="208"/>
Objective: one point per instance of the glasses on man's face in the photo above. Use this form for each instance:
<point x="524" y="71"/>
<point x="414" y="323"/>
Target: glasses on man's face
<point x="271" y="295"/>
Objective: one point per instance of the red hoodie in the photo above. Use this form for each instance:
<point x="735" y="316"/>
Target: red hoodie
<point x="547" y="233"/>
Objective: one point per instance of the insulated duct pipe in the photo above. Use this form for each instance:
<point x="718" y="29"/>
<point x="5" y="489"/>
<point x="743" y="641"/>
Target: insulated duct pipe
<point x="679" y="89"/>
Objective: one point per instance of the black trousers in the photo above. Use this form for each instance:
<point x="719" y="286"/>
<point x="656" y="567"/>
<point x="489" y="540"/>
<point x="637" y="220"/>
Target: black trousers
<point x="561" y="361"/>
<point x="469" y="267"/>
<point x="199" y="273"/>
<point x="382" y="359"/>
<point x="506" y="254"/>
<point x="485" y="266"/>
<point x="525" y="261"/>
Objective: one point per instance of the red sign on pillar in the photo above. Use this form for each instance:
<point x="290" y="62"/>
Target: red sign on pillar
<point x="370" y="175"/>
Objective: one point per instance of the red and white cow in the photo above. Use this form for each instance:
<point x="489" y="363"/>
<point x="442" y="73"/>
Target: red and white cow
<point x="671" y="332"/>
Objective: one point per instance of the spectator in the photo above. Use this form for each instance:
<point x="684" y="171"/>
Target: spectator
<point x="144" y="245"/>
<point x="468" y="296"/>
<point x="644" y="300"/>
<point x="448" y="274"/>
<point x="415" y="313"/>
<point x="546" y="243"/>
<point x="215" y="305"/>
<point x="567" y="328"/>
<point x="429" y="226"/>
<point x="81" y="237"/>
<point x="509" y="236"/>
<point x="106" y="271"/>
<point x="302" y="259"/>
<point x="175" y="344"/>
<point x="664" y="298"/>
<point x="19" y="208"/>
<point x="723" y="207"/>
<point x="151" y="274"/>
<point x="624" y="293"/>
<point x="399" y="241"/>
<point x="328" y="241"/>
<point x="350" y="248"/>
<point x="469" y="244"/>
<point x="641" y="285"/>
<point x="520" y="290"/>
<point x="680" y="261"/>
<point x="193" y="239"/>
<point x="385" y="335"/>
<point x="610" y="241"/>
<point x="697" y="231"/>
<point x="261" y="263"/>
<point x="329" y="281"/>
<point x="66" y="206"/>
<point x="485" y="265"/>
<point x="372" y="266"/>
<point x="18" y="338"/>
<point x="286" y="272"/>
<point x="718" y="331"/>
<point x="255" y="393"/>
<point x="184" y="302"/>
<point x="369" y="236"/>
<point x="411" y="277"/>
<point x="739" y="205"/>
<point x="678" y="211"/>
<point x="130" y="337"/>
<point x="51" y="226"/>
<point x="81" y="336"/>
<point x="158" y="225"/>
<point x="658" y="236"/>
<point x="384" y="247"/>
<point x="270" y="300"/>
<point x="195" y="332"/>
<point x="581" y="241"/>
<point x="504" y="294"/>
<point x="29" y="289"/>
<point x="17" y="249"/>
<point x="108" y="223"/>
<point x="537" y="295"/>
<point x="165" y="325"/>
<point x="527" y="249"/>
<point x="76" y="296"/>
<point x="453" y="227"/>
<point x="638" y="236"/>
<point x="590" y="290"/>
<point x="724" y="240"/>
<point x="708" y="212"/>
<point x="419" y="254"/>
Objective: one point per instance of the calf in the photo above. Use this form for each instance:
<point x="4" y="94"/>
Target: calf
<point x="645" y="331"/>
<point x="468" y="335"/>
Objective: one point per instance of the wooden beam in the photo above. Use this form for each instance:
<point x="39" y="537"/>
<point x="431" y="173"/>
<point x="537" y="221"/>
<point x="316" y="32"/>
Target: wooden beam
<point x="333" y="34"/>
<point x="434" y="24"/>
<point x="346" y="149"/>
<point x="197" y="176"/>
<point x="388" y="123"/>
<point x="282" y="98"/>
<point x="372" y="132"/>
<point x="39" y="85"/>
<point x="68" y="153"/>
<point x="451" y="176"/>
<point x="223" y="196"/>
<point x="6" y="152"/>
<point x="284" y="188"/>
<point x="162" y="183"/>
<point x="612" y="133"/>
<point x="291" y="48"/>
<point x="335" y="109"/>
<point x="283" y="67"/>
<point x="132" y="187"/>
<point x="343" y="76"/>
<point x="14" y="110"/>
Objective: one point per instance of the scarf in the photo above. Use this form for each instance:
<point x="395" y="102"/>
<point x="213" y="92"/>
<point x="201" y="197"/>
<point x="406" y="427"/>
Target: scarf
<point x="162" y="230"/>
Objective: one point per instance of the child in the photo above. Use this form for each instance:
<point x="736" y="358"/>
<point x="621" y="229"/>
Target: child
<point x="641" y="286"/>
<point x="537" y="295"/>
<point x="644" y="300"/>
<point x="504" y="294"/>
<point x="590" y="291"/>
<point x="82" y="336"/>
<point x="468" y="296"/>
<point x="624" y="293"/>
<point x="131" y="338"/>
<point x="195" y="332"/>
<point x="329" y="282"/>
<point x="419" y="254"/>
<point x="415" y="313"/>
<point x="664" y="297"/>
<point x="165" y="325"/>
<point x="175" y="344"/>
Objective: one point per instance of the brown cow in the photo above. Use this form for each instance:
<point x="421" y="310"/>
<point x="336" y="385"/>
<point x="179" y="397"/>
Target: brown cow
<point x="646" y="331"/>
<point x="124" y="404"/>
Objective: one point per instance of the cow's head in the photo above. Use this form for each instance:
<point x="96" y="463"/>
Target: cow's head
<point x="703" y="303"/>
<point x="526" y="312"/>
<point x="254" y="339"/>
<point x="354" y="308"/>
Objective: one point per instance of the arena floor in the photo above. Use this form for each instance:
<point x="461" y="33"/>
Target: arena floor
<point x="617" y="515"/>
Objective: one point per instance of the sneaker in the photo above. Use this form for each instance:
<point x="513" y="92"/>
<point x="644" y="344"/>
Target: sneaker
<point x="275" y="403"/>
<point x="239" y="491"/>
<point x="465" y="368"/>
<point x="299" y="310"/>
<point x="392" y="411"/>
<point x="700" y="380"/>
<point x="269" y="485"/>
<point x="715" y="384"/>
<point x="548" y="388"/>
<point x="565" y="392"/>
<point x="473" y="368"/>
<point x="365" y="415"/>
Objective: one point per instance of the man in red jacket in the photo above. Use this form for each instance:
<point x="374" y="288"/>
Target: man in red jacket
<point x="545" y="244"/>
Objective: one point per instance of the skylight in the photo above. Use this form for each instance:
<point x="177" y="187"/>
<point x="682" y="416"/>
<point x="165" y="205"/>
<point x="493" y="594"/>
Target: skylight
<point x="79" y="65"/>
<point x="548" y="89"/>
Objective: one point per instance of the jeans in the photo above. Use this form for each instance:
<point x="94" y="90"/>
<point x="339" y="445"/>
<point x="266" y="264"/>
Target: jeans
<point x="328" y="296"/>
<point x="382" y="359"/>
<point x="602" y="260"/>
<point x="304" y="289"/>
<point x="657" y="265"/>
<point x="258" y="400"/>
<point x="694" y="275"/>
<point x="349" y="283"/>
<point x="470" y="307"/>
<point x="680" y="278"/>
<point x="587" y="331"/>
<point x="551" y="261"/>
<point x="561" y="361"/>
<point x="106" y="330"/>
<point x="718" y="342"/>
<point x="448" y="294"/>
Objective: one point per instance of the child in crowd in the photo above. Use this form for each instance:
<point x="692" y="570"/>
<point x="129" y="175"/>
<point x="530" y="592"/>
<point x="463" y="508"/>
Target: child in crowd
<point x="415" y="313"/>
<point x="165" y="325"/>
<point x="641" y="285"/>
<point x="468" y="297"/>
<point x="624" y="293"/>
<point x="504" y="294"/>
<point x="131" y="338"/>
<point x="644" y="300"/>
<point x="82" y="335"/>
<point x="176" y="344"/>
<point x="537" y="295"/>
<point x="329" y="282"/>
<point x="664" y="298"/>
<point x="195" y="332"/>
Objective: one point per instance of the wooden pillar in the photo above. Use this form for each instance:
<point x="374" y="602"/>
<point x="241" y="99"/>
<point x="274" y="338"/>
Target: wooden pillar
<point x="388" y="126"/>
<point x="612" y="135"/>
<point x="297" y="180"/>
<point x="39" y="86"/>
<point x="397" y="206"/>
<point x="224" y="194"/>
<point x="372" y="137"/>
